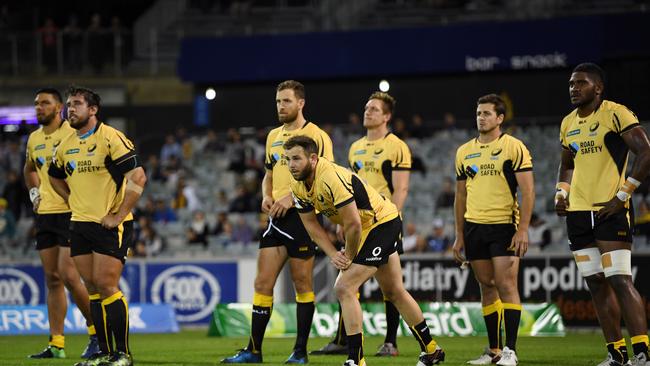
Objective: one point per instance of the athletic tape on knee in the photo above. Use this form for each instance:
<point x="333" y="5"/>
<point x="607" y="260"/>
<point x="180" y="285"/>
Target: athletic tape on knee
<point x="588" y="261"/>
<point x="617" y="262"/>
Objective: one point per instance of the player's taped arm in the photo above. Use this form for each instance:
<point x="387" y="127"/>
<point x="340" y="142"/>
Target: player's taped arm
<point x="135" y="182"/>
<point x="562" y="190"/>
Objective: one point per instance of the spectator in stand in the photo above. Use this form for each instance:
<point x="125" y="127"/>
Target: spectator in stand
<point x="7" y="225"/>
<point x="72" y="43"/>
<point x="15" y="194"/>
<point x="412" y="241"/>
<point x="146" y="209"/>
<point x="12" y="157"/>
<point x="539" y="233"/>
<point x="48" y="34"/>
<point x="438" y="242"/>
<point x="213" y="144"/>
<point x="236" y="151"/>
<point x="241" y="202"/>
<point x="447" y="196"/>
<point x="169" y="149"/>
<point x="262" y="225"/>
<point x="163" y="213"/>
<point x="222" y="223"/>
<point x="97" y="43"/>
<point x="399" y="129"/>
<point x="241" y="231"/>
<point x="153" y="169"/>
<point x="221" y="201"/>
<point x="147" y="241"/>
<point x="354" y="127"/>
<point x="185" y="196"/>
<point x="642" y="220"/>
<point x="199" y="230"/>
<point x="417" y="129"/>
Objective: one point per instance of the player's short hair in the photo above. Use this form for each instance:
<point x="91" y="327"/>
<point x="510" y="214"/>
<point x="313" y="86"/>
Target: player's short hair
<point x="307" y="144"/>
<point x="591" y="69"/>
<point x="296" y="86"/>
<point x="389" y="101"/>
<point x="499" y="104"/>
<point x="89" y="95"/>
<point x="51" y="91"/>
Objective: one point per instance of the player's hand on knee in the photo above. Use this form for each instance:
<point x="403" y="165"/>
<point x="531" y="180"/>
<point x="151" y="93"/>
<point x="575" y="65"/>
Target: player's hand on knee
<point x="341" y="261"/>
<point x="281" y="206"/>
<point x="458" y="248"/>
<point x="561" y="206"/>
<point x="267" y="203"/>
<point x="609" y="208"/>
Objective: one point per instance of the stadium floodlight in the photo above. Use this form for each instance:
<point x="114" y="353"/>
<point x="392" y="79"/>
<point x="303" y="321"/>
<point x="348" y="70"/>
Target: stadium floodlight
<point x="210" y="93"/>
<point x="384" y="86"/>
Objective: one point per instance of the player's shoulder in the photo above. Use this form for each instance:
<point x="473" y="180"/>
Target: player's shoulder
<point x="609" y="106"/>
<point x="35" y="135"/>
<point x="313" y="129"/>
<point x="569" y="117"/>
<point x="466" y="145"/>
<point x="509" y="139"/>
<point x="391" y="137"/>
<point x="274" y="132"/>
<point x="357" y="143"/>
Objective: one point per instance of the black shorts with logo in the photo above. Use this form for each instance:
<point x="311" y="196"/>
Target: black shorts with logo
<point x="486" y="241"/>
<point x="380" y="243"/>
<point x="584" y="228"/>
<point x="52" y="230"/>
<point x="88" y="237"/>
<point x="290" y="232"/>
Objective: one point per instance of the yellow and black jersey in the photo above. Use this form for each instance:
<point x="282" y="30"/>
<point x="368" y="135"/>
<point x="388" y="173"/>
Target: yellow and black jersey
<point x="276" y="162"/>
<point x="599" y="153"/>
<point x="40" y="149"/>
<point x="334" y="187"/>
<point x="376" y="160"/>
<point x="93" y="166"/>
<point x="489" y="171"/>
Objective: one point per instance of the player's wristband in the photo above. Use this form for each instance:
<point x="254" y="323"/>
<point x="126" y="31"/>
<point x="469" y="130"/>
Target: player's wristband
<point x="562" y="190"/>
<point x="34" y="194"/>
<point x="627" y="189"/>
<point x="623" y="196"/>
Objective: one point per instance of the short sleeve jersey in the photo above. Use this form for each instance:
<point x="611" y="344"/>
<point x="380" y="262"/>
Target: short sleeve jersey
<point x="334" y="187"/>
<point x="489" y="171"/>
<point x="599" y="153"/>
<point x="40" y="149"/>
<point x="276" y="162"/>
<point x="93" y="166"/>
<point x="376" y="160"/>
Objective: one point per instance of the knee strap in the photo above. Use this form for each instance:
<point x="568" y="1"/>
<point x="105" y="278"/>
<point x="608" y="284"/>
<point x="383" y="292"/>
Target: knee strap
<point x="617" y="262"/>
<point x="588" y="261"/>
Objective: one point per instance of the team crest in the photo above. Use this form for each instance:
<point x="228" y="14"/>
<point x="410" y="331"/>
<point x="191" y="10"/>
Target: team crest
<point x="495" y="153"/>
<point x="593" y="128"/>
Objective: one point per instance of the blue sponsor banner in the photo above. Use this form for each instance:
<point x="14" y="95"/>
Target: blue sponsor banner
<point x="143" y="318"/>
<point x="22" y="285"/>
<point x="192" y="289"/>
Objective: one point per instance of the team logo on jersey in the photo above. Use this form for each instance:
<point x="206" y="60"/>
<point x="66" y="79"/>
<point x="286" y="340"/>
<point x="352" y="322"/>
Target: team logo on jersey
<point x="379" y="151"/>
<point x="39" y="147"/>
<point x="321" y="198"/>
<point x="70" y="167"/>
<point x="472" y="156"/>
<point x="56" y="143"/>
<point x="496" y="151"/>
<point x="574" y="147"/>
<point x="471" y="171"/>
<point x="573" y="132"/>
<point x="72" y="151"/>
<point x="92" y="148"/>
<point x="593" y="128"/>
<point x="39" y="162"/>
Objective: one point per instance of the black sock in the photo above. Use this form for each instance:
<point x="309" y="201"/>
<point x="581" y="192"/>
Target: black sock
<point x="423" y="336"/>
<point x="341" y="337"/>
<point x="104" y="338"/>
<point x="618" y="350"/>
<point x="116" y="311"/>
<point x="392" y="323"/>
<point x="262" y="308"/>
<point x="640" y="344"/>
<point x="493" y="316"/>
<point x="304" y="316"/>
<point x="355" y="347"/>
<point x="511" y="316"/>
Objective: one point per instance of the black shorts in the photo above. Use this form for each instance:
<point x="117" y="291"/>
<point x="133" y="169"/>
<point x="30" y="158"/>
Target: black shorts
<point x="88" y="237"/>
<point x="52" y="230"/>
<point x="290" y="232"/>
<point x="380" y="243"/>
<point x="486" y="241"/>
<point x="585" y="229"/>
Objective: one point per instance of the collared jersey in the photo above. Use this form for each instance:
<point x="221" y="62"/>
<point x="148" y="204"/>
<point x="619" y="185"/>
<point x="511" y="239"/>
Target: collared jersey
<point x="40" y="149"/>
<point x="489" y="171"/>
<point x="334" y="187"/>
<point x="276" y="162"/>
<point x="376" y="160"/>
<point x="599" y="153"/>
<point x="93" y="166"/>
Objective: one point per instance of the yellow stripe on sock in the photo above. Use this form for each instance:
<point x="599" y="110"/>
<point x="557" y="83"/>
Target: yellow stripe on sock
<point x="303" y="298"/>
<point x="94" y="297"/>
<point x="126" y="331"/>
<point x="641" y="339"/>
<point x="508" y="306"/>
<point x="111" y="299"/>
<point x="91" y="330"/>
<point x="262" y="300"/>
<point x="492" y="308"/>
<point x="105" y="323"/>
<point x="57" y="340"/>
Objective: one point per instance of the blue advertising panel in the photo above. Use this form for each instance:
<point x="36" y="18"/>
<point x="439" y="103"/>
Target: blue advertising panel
<point x="22" y="285"/>
<point x="143" y="318"/>
<point x="192" y="289"/>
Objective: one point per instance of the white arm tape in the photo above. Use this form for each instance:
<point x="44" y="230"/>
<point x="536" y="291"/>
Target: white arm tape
<point x="132" y="186"/>
<point x="34" y="194"/>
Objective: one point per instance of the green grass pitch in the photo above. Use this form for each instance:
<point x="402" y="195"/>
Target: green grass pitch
<point x="194" y="348"/>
